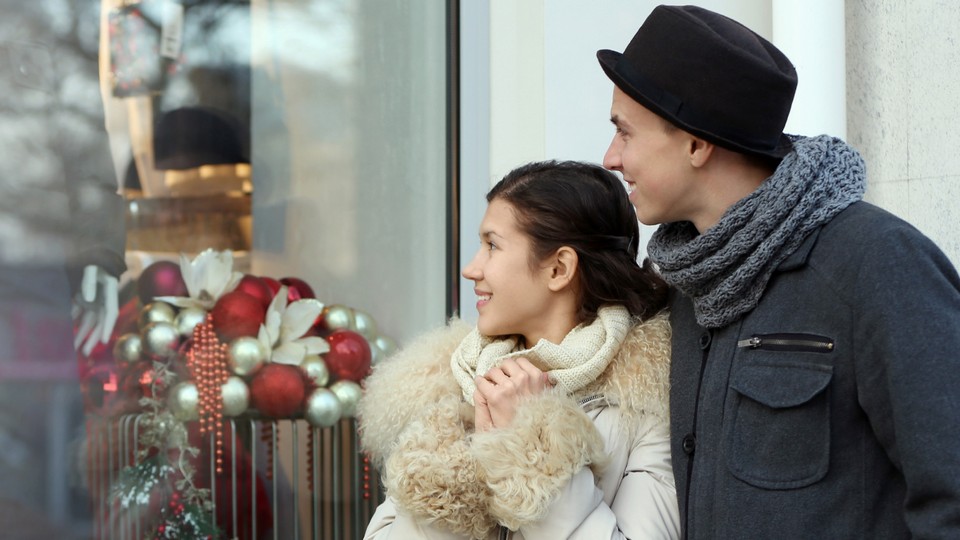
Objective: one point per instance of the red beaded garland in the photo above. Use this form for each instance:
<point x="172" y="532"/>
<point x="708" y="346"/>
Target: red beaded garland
<point x="207" y="361"/>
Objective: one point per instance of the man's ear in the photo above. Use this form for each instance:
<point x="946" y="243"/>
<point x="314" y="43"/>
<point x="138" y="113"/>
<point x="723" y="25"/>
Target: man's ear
<point x="700" y="151"/>
<point x="562" y="268"/>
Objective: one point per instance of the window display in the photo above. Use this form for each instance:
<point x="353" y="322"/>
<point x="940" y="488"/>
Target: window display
<point x="253" y="195"/>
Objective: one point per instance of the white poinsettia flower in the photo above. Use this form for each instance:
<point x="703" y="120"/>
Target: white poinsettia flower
<point x="284" y="328"/>
<point x="208" y="276"/>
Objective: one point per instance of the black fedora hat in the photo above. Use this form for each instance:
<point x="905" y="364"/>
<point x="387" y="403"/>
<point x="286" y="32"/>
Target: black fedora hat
<point x="710" y="76"/>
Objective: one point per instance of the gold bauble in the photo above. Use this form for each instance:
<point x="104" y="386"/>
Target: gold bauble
<point x="183" y="401"/>
<point x="236" y="396"/>
<point x="160" y="339"/>
<point x="316" y="369"/>
<point x="323" y="408"/>
<point x="246" y="355"/>
<point x="127" y="349"/>
<point x="337" y="316"/>
<point x="364" y="324"/>
<point x="348" y="392"/>
<point x="156" y="312"/>
<point x="385" y="344"/>
<point x="188" y="319"/>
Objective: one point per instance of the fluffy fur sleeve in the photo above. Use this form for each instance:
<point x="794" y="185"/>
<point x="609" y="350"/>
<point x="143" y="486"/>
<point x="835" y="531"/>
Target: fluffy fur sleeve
<point x="526" y="465"/>
<point x="414" y="426"/>
<point x="402" y="386"/>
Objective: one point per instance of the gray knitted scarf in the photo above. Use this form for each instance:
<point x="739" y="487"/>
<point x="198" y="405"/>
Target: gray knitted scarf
<point x="726" y="269"/>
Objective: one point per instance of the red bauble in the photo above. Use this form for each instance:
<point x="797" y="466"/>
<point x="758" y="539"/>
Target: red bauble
<point x="278" y="390"/>
<point x="349" y="355"/>
<point x="256" y="288"/>
<point x="273" y="284"/>
<point x="237" y="314"/>
<point x="297" y="289"/>
<point x="162" y="278"/>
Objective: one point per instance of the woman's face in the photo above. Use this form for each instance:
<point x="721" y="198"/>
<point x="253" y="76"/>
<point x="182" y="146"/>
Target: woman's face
<point x="512" y="298"/>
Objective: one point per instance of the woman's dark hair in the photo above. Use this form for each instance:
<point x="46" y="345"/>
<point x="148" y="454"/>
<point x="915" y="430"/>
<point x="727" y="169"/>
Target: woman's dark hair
<point x="585" y="207"/>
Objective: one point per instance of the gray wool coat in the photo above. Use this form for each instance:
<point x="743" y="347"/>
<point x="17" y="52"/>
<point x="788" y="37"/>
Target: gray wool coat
<point x="832" y="409"/>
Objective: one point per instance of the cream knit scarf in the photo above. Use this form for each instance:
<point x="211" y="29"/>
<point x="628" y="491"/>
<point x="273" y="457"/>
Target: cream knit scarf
<point x="576" y="362"/>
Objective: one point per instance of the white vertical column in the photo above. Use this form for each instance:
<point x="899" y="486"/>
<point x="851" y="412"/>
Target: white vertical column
<point x="812" y="34"/>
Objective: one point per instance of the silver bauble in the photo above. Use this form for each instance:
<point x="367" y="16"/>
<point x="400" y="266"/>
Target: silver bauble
<point x="323" y="408"/>
<point x="188" y="319"/>
<point x="246" y="355"/>
<point x="348" y="392"/>
<point x="156" y="312"/>
<point x="183" y="401"/>
<point x="316" y="369"/>
<point x="364" y="324"/>
<point x="376" y="355"/>
<point x="337" y="316"/>
<point x="160" y="339"/>
<point x="236" y="396"/>
<point x="127" y="349"/>
<point x="386" y="344"/>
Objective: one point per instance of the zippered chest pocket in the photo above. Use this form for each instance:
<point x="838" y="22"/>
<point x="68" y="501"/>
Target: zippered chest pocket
<point x="788" y="342"/>
<point x="778" y="431"/>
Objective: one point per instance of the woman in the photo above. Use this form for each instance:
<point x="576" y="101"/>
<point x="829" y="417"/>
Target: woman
<point x="549" y="419"/>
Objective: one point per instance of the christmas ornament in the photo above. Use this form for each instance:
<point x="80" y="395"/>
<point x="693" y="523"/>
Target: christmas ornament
<point x="207" y="362"/>
<point x="385" y="344"/>
<point x="297" y="288"/>
<point x="277" y="390"/>
<point x="156" y="312"/>
<point x="162" y="278"/>
<point x="336" y="317"/>
<point x="246" y="355"/>
<point x="286" y="331"/>
<point x="256" y="288"/>
<point x="364" y="324"/>
<point x="348" y="393"/>
<point x="160" y="340"/>
<point x="272" y="284"/>
<point x="183" y="401"/>
<point x="349" y="355"/>
<point x="236" y="396"/>
<point x="322" y="408"/>
<point x="237" y="314"/>
<point x="127" y="349"/>
<point x="316" y="369"/>
<point x="188" y="319"/>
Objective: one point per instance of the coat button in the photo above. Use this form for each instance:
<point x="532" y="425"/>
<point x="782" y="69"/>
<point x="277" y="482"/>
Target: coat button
<point x="689" y="444"/>
<point x="705" y="339"/>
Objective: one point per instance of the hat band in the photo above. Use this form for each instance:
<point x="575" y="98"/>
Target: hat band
<point x="676" y="111"/>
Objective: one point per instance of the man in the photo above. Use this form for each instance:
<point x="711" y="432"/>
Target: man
<point x="815" y="385"/>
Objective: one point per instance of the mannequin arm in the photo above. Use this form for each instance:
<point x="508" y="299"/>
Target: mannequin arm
<point x="97" y="308"/>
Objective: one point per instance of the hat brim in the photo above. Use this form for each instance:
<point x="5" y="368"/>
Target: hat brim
<point x="610" y="60"/>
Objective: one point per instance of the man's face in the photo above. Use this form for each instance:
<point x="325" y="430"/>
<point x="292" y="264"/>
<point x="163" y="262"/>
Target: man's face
<point x="653" y="159"/>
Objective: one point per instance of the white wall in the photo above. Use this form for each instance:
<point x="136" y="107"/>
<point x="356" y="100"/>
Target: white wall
<point x="903" y="89"/>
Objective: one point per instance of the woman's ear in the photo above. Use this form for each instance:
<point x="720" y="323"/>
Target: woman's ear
<point x="563" y="268"/>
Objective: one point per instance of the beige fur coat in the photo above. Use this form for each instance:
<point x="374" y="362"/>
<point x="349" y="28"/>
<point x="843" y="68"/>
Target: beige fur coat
<point x="590" y="465"/>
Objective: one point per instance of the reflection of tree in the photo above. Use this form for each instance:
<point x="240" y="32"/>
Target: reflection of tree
<point x="52" y="139"/>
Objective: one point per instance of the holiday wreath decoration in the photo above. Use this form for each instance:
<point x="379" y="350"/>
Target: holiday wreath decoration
<point x="201" y="342"/>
